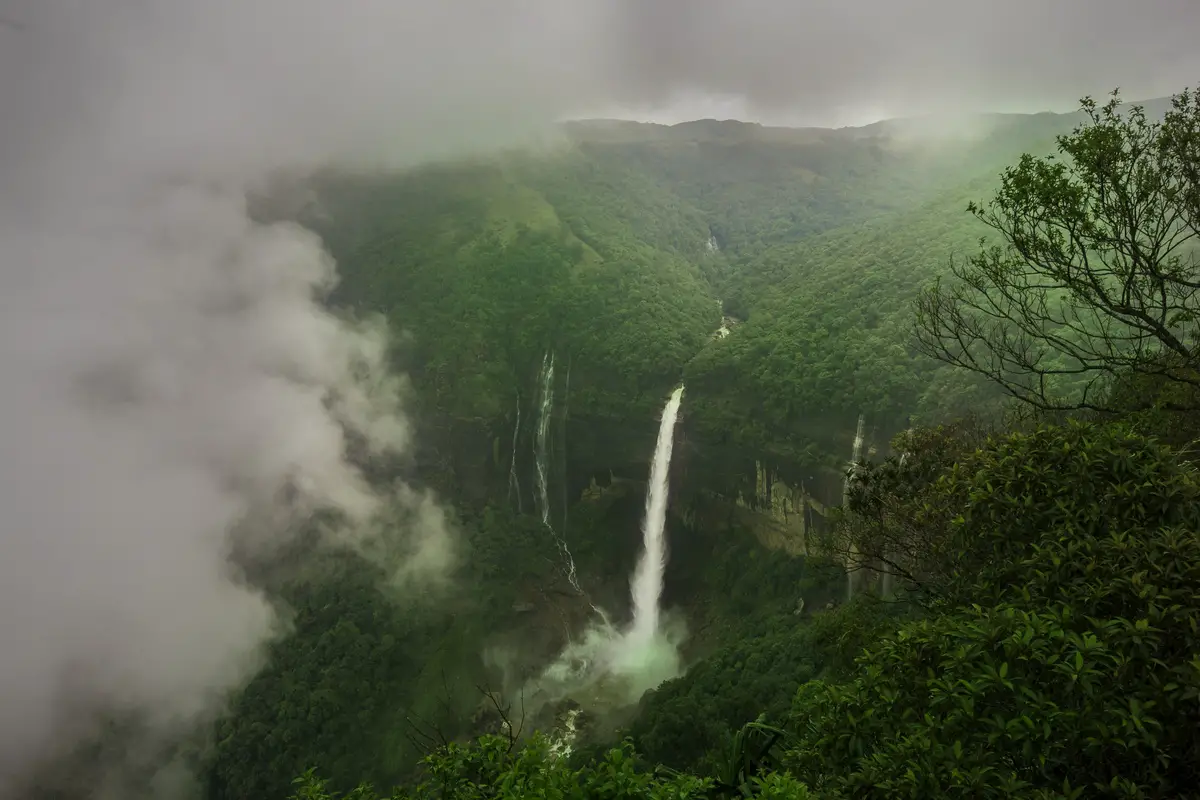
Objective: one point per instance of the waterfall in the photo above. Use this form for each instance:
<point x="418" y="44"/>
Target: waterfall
<point x="855" y="453"/>
<point x="542" y="437"/>
<point x="514" y="485"/>
<point x="542" y="465"/>
<point x="648" y="578"/>
<point x="852" y="566"/>
<point x="643" y="655"/>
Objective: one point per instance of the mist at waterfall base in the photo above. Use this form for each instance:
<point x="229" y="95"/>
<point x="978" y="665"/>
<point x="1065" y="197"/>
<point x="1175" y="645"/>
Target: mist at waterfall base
<point x="609" y="667"/>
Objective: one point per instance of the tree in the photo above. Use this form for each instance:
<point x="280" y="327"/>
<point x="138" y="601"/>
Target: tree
<point x="1064" y="661"/>
<point x="491" y="770"/>
<point x="895" y="524"/>
<point x="1097" y="277"/>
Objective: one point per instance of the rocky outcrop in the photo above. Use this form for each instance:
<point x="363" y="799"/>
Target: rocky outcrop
<point x="780" y="515"/>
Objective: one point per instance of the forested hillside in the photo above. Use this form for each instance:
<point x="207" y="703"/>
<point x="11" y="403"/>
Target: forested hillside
<point x="617" y="248"/>
<point x="1005" y="607"/>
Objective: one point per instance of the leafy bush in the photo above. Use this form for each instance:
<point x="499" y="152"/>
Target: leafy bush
<point x="1074" y="671"/>
<point x="493" y="770"/>
<point x="692" y="721"/>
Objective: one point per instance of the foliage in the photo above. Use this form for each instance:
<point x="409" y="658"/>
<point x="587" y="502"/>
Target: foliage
<point x="1057" y="565"/>
<point x="692" y="722"/>
<point x="486" y="277"/>
<point x="1064" y="663"/>
<point x="601" y="251"/>
<point x="1075" y="481"/>
<point x="365" y="679"/>
<point x="1097" y="274"/>
<point x="893" y="526"/>
<point x="828" y="338"/>
<point x="493" y="770"/>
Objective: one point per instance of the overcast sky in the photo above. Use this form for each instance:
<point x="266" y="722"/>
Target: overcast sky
<point x="166" y="366"/>
<point x="834" y="62"/>
<point x="825" y="62"/>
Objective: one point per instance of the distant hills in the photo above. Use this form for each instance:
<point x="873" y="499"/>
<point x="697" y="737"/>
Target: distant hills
<point x="615" y="248"/>
<point x="622" y="131"/>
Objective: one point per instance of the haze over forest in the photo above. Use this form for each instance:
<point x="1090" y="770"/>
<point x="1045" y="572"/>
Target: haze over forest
<point x="598" y="399"/>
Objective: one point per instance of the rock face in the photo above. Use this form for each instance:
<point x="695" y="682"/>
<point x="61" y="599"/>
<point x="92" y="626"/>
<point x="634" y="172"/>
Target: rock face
<point x="715" y="485"/>
<point x="781" y="516"/>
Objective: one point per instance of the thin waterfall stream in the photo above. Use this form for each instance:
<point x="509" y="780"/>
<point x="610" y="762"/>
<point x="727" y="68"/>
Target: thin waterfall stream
<point x="542" y="466"/>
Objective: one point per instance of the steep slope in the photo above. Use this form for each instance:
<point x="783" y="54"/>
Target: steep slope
<point x="483" y="277"/>
<point x="828" y="338"/>
<point x="602" y="254"/>
<point x="612" y="251"/>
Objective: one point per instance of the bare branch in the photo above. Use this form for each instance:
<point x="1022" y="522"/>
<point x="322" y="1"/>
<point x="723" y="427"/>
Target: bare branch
<point x="1097" y="276"/>
<point x="511" y="732"/>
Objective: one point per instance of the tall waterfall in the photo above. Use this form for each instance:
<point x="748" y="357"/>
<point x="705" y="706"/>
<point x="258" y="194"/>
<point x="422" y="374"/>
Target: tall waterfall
<point x="542" y="465"/>
<point x="648" y="578"/>
<point x="646" y="653"/>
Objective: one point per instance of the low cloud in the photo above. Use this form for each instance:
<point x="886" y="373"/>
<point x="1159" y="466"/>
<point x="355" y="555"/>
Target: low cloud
<point x="168" y="367"/>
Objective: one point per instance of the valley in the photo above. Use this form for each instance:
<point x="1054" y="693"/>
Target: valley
<point x="546" y="304"/>
<point x="599" y="400"/>
<point x="745" y="292"/>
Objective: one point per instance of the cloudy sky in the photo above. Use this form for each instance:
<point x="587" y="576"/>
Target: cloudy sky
<point x="834" y="62"/>
<point x="824" y="62"/>
<point x="165" y="362"/>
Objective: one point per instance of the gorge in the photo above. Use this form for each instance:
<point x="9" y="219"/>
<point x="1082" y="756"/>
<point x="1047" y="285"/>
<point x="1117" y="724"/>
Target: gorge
<point x="545" y="306"/>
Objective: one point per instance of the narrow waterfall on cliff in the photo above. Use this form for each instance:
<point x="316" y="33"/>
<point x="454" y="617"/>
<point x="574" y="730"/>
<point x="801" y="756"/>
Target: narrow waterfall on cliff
<point x="542" y="465"/>
<point x="541" y="443"/>
<point x="852" y="559"/>
<point x="514" y="485"/>
<point x="648" y="578"/>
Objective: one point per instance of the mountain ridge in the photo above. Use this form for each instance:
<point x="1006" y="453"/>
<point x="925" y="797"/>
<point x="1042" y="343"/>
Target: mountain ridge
<point x="705" y="128"/>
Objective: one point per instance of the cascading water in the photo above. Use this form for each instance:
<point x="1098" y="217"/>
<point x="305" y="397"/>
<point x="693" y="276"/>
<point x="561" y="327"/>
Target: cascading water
<point x="648" y="578"/>
<point x="542" y="437"/>
<point x="607" y="667"/>
<point x="542" y="465"/>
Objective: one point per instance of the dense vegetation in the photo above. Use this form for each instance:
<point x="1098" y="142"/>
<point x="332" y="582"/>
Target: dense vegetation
<point x="1025" y="588"/>
<point x="1079" y="679"/>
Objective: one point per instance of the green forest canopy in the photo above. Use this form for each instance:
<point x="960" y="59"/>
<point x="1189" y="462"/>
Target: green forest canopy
<point x="1049" y="649"/>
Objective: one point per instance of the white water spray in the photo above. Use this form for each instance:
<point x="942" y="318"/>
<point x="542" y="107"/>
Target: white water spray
<point x="855" y="453"/>
<point x="648" y="578"/>
<point x="610" y="668"/>
<point x="542" y="465"/>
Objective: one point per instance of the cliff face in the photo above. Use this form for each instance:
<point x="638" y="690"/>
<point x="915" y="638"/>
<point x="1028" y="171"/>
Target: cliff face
<point x="592" y="457"/>
<point x="712" y="483"/>
<point x="781" y="515"/>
